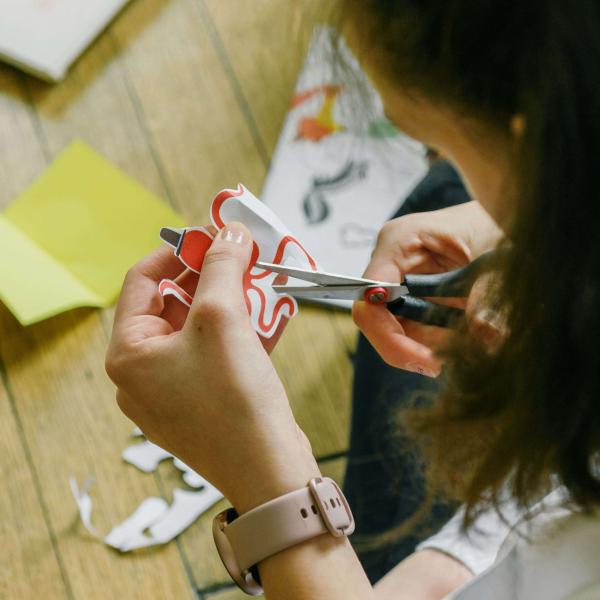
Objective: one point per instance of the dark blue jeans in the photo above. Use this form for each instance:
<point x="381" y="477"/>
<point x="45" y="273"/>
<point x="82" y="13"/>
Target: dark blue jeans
<point x="384" y="480"/>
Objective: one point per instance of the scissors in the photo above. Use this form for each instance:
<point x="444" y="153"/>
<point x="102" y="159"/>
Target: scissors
<point x="405" y="299"/>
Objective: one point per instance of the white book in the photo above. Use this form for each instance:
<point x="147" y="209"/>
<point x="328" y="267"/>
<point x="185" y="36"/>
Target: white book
<point x="44" y="37"/>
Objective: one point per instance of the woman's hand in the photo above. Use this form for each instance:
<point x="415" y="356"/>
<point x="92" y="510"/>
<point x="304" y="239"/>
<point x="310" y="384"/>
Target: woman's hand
<point x="430" y="242"/>
<point x="205" y="389"/>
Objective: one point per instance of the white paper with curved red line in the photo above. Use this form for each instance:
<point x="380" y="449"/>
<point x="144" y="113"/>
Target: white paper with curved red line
<point x="273" y="243"/>
<point x="167" y="287"/>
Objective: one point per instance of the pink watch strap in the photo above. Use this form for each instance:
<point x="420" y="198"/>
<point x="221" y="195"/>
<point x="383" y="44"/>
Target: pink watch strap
<point x="291" y="519"/>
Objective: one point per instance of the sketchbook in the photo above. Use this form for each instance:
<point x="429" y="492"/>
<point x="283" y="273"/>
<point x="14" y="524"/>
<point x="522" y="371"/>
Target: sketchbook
<point x="44" y="37"/>
<point x="340" y="168"/>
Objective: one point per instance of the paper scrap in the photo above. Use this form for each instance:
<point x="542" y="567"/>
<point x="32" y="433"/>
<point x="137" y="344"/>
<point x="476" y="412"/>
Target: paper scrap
<point x="125" y="535"/>
<point x="187" y="506"/>
<point x="145" y="455"/>
<point x="68" y="240"/>
<point x="273" y="243"/>
<point x="154" y="521"/>
<point x="190" y="476"/>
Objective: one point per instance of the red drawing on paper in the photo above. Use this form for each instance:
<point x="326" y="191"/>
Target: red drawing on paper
<point x="316" y="127"/>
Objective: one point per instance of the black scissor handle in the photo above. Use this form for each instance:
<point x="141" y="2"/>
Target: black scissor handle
<point x="425" y="312"/>
<point x="452" y="284"/>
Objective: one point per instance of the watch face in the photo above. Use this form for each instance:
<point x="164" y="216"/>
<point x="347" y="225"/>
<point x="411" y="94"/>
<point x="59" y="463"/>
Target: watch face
<point x="243" y="579"/>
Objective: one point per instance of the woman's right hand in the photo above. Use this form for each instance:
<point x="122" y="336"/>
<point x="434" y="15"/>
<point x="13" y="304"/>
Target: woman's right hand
<point x="429" y="242"/>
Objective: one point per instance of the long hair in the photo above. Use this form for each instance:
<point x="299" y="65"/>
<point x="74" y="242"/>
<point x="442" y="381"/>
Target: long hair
<point x="530" y="411"/>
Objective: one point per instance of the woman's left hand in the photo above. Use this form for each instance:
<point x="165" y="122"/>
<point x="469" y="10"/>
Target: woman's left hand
<point x="208" y="392"/>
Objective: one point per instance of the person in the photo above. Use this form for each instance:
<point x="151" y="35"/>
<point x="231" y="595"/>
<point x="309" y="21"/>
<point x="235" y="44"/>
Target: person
<point x="508" y="93"/>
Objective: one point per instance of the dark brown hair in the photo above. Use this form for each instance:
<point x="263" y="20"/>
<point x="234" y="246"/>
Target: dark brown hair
<point x="530" y="410"/>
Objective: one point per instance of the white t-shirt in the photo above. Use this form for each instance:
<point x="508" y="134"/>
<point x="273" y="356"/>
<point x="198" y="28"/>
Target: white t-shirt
<point x="552" y="554"/>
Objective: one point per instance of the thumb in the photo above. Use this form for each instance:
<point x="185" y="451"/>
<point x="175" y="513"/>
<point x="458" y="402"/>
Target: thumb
<point x="220" y="285"/>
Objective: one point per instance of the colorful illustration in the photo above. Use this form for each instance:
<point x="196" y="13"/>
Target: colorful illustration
<point x="323" y="124"/>
<point x="340" y="169"/>
<point x="273" y="243"/>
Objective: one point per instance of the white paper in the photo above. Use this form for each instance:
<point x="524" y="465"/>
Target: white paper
<point x="45" y="36"/>
<point x="123" y="536"/>
<point x="145" y="455"/>
<point x="84" y="503"/>
<point x="335" y="192"/>
<point x="190" y="476"/>
<point x="154" y="521"/>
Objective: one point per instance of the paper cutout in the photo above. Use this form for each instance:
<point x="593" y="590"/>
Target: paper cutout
<point x="126" y="535"/>
<point x="84" y="503"/>
<point x="273" y="243"/>
<point x="187" y="506"/>
<point x="193" y="247"/>
<point x="190" y="476"/>
<point x="154" y="521"/>
<point x="169" y="288"/>
<point x="145" y="456"/>
<point x="68" y="240"/>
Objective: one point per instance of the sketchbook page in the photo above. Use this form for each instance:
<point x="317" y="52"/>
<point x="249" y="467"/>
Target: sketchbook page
<point x="33" y="286"/>
<point x="92" y="220"/>
<point x="340" y="169"/>
<point x="45" y="36"/>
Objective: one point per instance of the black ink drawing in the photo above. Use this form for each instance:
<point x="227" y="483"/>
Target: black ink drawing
<point x="353" y="235"/>
<point x="315" y="205"/>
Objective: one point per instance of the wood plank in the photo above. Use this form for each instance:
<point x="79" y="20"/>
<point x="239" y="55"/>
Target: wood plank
<point x="227" y="594"/>
<point x="313" y="364"/>
<point x="20" y="148"/>
<point x="191" y="112"/>
<point x="56" y="368"/>
<point x="72" y="427"/>
<point x="23" y="526"/>
<point x="265" y="47"/>
<point x="94" y="104"/>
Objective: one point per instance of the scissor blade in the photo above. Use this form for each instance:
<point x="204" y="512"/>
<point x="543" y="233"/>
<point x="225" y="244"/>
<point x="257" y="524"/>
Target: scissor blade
<point x="317" y="292"/>
<point x="318" y="277"/>
<point x="171" y="236"/>
<point x="338" y="292"/>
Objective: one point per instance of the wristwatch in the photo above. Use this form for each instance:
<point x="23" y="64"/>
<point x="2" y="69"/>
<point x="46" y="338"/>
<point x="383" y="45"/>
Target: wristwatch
<point x="243" y="541"/>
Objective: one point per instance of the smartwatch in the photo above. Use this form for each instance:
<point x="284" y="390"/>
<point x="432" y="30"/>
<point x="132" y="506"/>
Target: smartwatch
<point x="244" y="541"/>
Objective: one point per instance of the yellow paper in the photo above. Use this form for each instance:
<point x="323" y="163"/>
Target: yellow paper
<point x="68" y="240"/>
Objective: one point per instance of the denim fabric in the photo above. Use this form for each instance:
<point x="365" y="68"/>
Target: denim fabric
<point x="384" y="480"/>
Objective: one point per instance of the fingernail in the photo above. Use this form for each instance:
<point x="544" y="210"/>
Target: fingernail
<point x="420" y="369"/>
<point x="232" y="233"/>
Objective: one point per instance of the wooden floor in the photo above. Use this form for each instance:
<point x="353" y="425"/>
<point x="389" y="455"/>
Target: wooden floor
<point x="186" y="96"/>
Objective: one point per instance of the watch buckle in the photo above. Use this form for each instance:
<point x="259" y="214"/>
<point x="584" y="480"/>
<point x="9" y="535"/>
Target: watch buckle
<point x="332" y="506"/>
